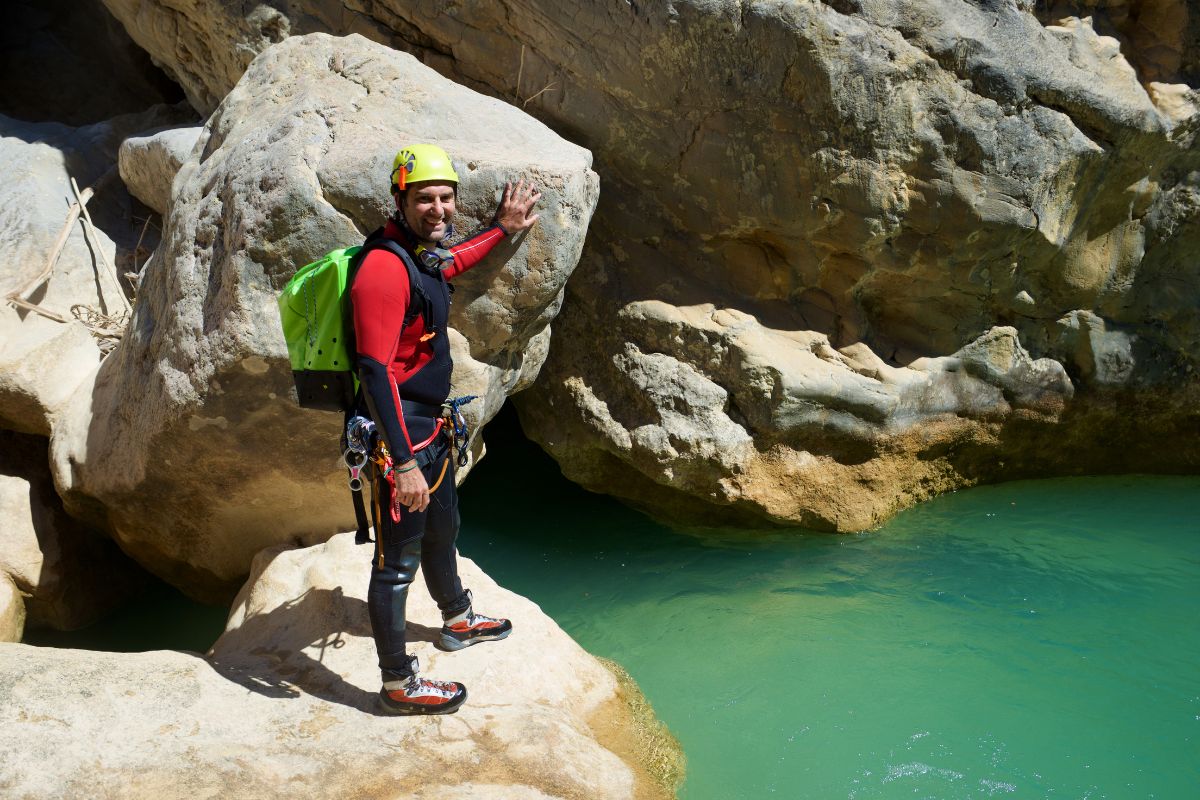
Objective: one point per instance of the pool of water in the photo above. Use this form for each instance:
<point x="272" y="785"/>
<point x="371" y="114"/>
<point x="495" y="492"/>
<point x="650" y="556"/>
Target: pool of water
<point x="1028" y="640"/>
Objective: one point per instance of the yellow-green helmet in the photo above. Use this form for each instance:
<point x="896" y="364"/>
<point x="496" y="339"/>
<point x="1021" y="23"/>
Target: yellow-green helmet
<point x="422" y="162"/>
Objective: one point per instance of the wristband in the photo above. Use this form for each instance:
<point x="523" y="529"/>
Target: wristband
<point x="407" y="469"/>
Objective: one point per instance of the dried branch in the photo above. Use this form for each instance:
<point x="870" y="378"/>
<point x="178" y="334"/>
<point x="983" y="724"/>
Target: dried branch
<point x="520" y="71"/>
<point x="108" y="329"/>
<point x="19" y="303"/>
<point x="89" y="227"/>
<point x="23" y="293"/>
<point x="545" y="88"/>
<point x="138" y="246"/>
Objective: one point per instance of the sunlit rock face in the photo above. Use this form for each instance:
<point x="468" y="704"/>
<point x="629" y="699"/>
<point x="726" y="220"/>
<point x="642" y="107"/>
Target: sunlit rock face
<point x="1160" y="38"/>
<point x="149" y="163"/>
<point x="12" y="611"/>
<point x="43" y="359"/>
<point x="293" y="682"/>
<point x="905" y="184"/>
<point x="187" y="443"/>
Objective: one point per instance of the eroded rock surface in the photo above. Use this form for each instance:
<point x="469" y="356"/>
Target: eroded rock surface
<point x="148" y="164"/>
<point x="42" y="360"/>
<point x="190" y="437"/>
<point x="284" y="704"/>
<point x="1161" y="38"/>
<point x="899" y="177"/>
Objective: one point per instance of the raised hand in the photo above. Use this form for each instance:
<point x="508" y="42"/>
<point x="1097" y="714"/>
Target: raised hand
<point x="516" y="207"/>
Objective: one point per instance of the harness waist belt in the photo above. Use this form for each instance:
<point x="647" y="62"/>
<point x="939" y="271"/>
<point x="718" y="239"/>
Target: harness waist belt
<point x="412" y="408"/>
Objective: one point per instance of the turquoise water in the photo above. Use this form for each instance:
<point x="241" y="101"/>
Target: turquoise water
<point x="160" y="618"/>
<point x="1029" y="640"/>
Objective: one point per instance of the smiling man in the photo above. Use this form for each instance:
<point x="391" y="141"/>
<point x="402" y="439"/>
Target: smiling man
<point x="404" y="368"/>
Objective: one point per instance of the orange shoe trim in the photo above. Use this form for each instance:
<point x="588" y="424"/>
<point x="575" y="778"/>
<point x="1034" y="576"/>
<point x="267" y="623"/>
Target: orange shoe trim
<point x="462" y="627"/>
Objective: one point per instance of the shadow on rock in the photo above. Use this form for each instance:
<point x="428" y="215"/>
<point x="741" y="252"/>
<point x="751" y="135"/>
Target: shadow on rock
<point x="307" y="645"/>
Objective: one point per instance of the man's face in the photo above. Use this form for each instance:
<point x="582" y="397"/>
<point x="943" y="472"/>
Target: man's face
<point x="428" y="208"/>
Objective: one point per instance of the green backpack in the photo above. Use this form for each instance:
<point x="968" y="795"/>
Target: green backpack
<point x="318" y="323"/>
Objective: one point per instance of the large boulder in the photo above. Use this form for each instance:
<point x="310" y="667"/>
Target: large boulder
<point x="759" y="422"/>
<point x="188" y="439"/>
<point x="43" y="360"/>
<point x="148" y="164"/>
<point x="68" y="573"/>
<point x="285" y="703"/>
<point x="919" y="176"/>
<point x="898" y="178"/>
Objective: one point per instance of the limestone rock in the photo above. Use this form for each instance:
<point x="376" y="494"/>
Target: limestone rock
<point x="285" y="703"/>
<point x="1159" y="37"/>
<point x="42" y="361"/>
<point x="190" y="436"/>
<point x="709" y="403"/>
<point x="1102" y="353"/>
<point x="70" y="574"/>
<point x="12" y="610"/>
<point x="148" y="164"/>
<point x="205" y="47"/>
<point x="899" y="178"/>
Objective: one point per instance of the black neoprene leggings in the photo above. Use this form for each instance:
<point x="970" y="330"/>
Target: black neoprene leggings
<point x="424" y="539"/>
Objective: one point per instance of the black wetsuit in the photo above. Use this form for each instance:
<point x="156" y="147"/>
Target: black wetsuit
<point x="405" y="377"/>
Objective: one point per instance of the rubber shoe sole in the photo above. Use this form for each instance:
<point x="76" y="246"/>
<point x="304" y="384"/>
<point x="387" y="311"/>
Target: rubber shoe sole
<point x="399" y="709"/>
<point x="451" y="642"/>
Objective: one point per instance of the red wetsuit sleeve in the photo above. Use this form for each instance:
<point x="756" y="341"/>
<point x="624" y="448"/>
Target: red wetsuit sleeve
<point x="380" y="296"/>
<point x="471" y="250"/>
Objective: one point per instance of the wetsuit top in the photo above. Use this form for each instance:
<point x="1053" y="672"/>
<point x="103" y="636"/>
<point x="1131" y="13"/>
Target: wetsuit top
<point x="397" y="362"/>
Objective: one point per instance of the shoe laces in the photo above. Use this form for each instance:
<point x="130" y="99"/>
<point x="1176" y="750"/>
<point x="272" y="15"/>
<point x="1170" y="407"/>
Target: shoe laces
<point x="417" y="686"/>
<point x="474" y="619"/>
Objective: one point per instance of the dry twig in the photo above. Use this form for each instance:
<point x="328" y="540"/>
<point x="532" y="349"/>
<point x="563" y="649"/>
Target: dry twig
<point x="20" y="297"/>
<point x="545" y="88"/>
<point x="89" y="227"/>
<point x="25" y="304"/>
<point x="520" y="71"/>
<point x="106" y="328"/>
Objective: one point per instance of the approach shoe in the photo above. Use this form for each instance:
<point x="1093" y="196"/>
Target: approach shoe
<point x="467" y="628"/>
<point x="416" y="695"/>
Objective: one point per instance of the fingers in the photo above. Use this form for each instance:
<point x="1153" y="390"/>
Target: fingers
<point x="415" y="501"/>
<point x="413" y="491"/>
<point x="522" y="195"/>
<point x="515" y="212"/>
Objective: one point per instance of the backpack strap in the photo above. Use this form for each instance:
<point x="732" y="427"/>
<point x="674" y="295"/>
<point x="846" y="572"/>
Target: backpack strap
<point x="419" y="302"/>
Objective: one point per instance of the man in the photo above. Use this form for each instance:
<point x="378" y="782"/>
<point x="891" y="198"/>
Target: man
<point x="405" y="371"/>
